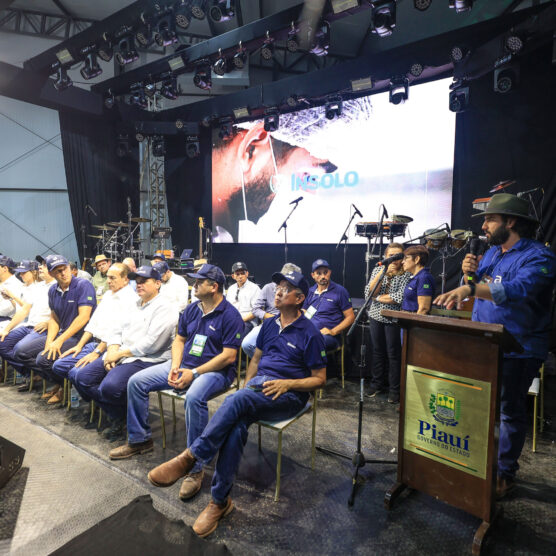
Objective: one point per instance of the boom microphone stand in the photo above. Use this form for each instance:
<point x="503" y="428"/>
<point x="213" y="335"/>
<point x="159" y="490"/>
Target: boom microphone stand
<point x="358" y="459"/>
<point x="285" y="226"/>
<point x="344" y="238"/>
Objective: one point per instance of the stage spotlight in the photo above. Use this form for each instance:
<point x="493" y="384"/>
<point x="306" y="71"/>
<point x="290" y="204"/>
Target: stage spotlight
<point x="506" y="78"/>
<point x="220" y="67"/>
<point x="144" y="33"/>
<point x="292" y="100"/>
<point x="192" y="146"/>
<point x="202" y="78"/>
<point x="64" y="57"/>
<point x="206" y="121"/>
<point x="383" y="18"/>
<point x="166" y="34"/>
<point x="458" y="53"/>
<point x="105" y="50"/>
<point x="158" y="147"/>
<point x="139" y="137"/>
<point x="461" y="5"/>
<point x="513" y="43"/>
<point x="333" y="108"/>
<point x="416" y="69"/>
<point x="321" y="40"/>
<point x="399" y="90"/>
<point x="240" y="57"/>
<point x="182" y="14"/>
<point x="150" y="88"/>
<point x="422" y="5"/>
<point x="267" y="49"/>
<point x="91" y="69"/>
<point x="127" y="52"/>
<point x="226" y="130"/>
<point x="459" y="97"/>
<point x="137" y="96"/>
<point x="122" y="145"/>
<point x="109" y="99"/>
<point x="198" y="8"/>
<point x="63" y="81"/>
<point x="240" y="113"/>
<point x="169" y="88"/>
<point x="222" y="10"/>
<point x="292" y="42"/>
<point x="271" y="122"/>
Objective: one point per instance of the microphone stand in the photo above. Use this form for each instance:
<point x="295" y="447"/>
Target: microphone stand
<point x="285" y="226"/>
<point x="358" y="459"/>
<point x="344" y="238"/>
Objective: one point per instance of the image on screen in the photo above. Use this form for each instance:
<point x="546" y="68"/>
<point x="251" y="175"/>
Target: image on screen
<point x="375" y="153"/>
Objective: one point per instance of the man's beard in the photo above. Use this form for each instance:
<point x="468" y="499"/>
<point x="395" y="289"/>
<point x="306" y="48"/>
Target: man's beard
<point x="500" y="236"/>
<point x="258" y="197"/>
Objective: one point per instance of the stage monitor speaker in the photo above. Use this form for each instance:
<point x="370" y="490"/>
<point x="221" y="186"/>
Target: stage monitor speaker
<point x="11" y="458"/>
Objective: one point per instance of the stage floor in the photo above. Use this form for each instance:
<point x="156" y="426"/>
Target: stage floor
<point x="67" y="484"/>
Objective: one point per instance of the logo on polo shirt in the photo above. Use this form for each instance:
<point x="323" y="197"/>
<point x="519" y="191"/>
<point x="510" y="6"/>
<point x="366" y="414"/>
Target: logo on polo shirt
<point x="426" y="286"/>
<point x="323" y="353"/>
<point x="238" y="335"/>
<point x="89" y="299"/>
<point x="291" y="345"/>
<point x="544" y="270"/>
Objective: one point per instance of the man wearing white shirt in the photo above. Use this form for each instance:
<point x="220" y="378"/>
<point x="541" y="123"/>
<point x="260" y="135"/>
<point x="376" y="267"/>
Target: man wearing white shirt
<point x="174" y="287"/>
<point x="10" y="283"/>
<point x="145" y="339"/>
<point x="243" y="294"/>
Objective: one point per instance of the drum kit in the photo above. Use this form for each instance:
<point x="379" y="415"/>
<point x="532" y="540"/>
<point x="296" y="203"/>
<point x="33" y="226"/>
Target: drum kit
<point x="119" y="240"/>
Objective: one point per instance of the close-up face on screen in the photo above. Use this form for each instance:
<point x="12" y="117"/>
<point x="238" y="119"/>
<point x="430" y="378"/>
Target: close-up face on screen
<point x="374" y="153"/>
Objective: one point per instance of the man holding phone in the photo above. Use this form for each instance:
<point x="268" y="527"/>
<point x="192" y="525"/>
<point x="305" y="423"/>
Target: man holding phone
<point x="203" y="361"/>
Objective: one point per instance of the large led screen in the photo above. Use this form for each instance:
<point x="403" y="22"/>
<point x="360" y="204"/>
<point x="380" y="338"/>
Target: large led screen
<point x="376" y="153"/>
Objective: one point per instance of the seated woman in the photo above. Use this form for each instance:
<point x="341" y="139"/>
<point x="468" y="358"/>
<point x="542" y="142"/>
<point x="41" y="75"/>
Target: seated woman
<point x="419" y="292"/>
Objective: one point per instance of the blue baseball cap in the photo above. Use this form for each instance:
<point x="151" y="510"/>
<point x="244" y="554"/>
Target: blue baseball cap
<point x="294" y="278"/>
<point x="211" y="272"/>
<point x="159" y="256"/>
<point x="146" y="271"/>
<point x="6" y="261"/>
<point x="319" y="262"/>
<point x="52" y="261"/>
<point x="26" y="266"/>
<point x="162" y="267"/>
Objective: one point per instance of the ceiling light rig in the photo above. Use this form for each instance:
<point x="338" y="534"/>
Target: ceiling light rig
<point x="127" y="53"/>
<point x="416" y="69"/>
<point x="222" y="10"/>
<point x="514" y="43"/>
<point x="333" y="108"/>
<point x="271" y="122"/>
<point x="109" y="99"/>
<point x="321" y="40"/>
<point x="399" y="90"/>
<point x="506" y="78"/>
<point x="220" y="67"/>
<point x="192" y="146"/>
<point x="267" y="49"/>
<point x="144" y="32"/>
<point x="292" y="42"/>
<point x="182" y="14"/>
<point x="203" y="78"/>
<point x="383" y="18"/>
<point x="198" y="9"/>
<point x="422" y="5"/>
<point x="169" y="88"/>
<point x="460" y="5"/>
<point x="240" y="57"/>
<point x="91" y="67"/>
<point x="166" y="33"/>
<point x="63" y="81"/>
<point x="105" y="49"/>
<point x="459" y="97"/>
<point x="137" y="96"/>
<point x="458" y="53"/>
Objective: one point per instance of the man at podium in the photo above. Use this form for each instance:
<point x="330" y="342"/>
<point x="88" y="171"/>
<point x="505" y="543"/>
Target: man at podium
<point x="512" y="285"/>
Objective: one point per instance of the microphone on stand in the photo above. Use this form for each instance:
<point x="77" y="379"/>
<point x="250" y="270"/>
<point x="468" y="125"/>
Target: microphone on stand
<point x="296" y="200"/>
<point x="357" y="211"/>
<point x="89" y="207"/>
<point x="386" y="262"/>
<point x="385" y="212"/>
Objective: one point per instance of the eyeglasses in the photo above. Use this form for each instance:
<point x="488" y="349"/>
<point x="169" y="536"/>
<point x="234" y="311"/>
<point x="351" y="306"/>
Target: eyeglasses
<point x="283" y="289"/>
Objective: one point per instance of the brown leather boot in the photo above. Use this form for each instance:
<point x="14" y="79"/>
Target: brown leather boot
<point x="208" y="519"/>
<point x="129" y="450"/>
<point x="503" y="487"/>
<point x="191" y="485"/>
<point x="168" y="473"/>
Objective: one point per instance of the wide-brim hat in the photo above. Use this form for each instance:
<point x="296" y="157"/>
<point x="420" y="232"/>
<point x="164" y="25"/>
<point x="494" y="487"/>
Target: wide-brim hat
<point x="100" y="258"/>
<point x="509" y="205"/>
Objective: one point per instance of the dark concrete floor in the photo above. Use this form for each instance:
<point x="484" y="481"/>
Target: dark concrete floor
<point x="312" y="516"/>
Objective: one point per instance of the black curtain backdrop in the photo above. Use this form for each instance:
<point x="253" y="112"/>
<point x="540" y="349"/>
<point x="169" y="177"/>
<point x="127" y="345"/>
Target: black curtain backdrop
<point x="500" y="137"/>
<point x="96" y="176"/>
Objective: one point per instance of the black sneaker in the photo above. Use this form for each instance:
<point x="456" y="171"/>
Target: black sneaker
<point x="115" y="432"/>
<point x="373" y="392"/>
<point x="393" y="398"/>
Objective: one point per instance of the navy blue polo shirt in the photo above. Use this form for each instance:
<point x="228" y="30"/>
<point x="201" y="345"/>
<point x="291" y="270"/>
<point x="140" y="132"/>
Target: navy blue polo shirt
<point x="292" y="352"/>
<point x="207" y="335"/>
<point x="521" y="282"/>
<point x="422" y="284"/>
<point x="66" y="304"/>
<point x="326" y="310"/>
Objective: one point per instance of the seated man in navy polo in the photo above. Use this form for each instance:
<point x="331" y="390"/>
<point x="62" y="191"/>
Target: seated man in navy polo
<point x="203" y="360"/>
<point x="71" y="301"/>
<point x="328" y="305"/>
<point x="289" y="362"/>
<point x="141" y="341"/>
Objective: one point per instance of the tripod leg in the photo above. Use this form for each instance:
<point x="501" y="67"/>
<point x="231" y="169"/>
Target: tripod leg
<point x="353" y="486"/>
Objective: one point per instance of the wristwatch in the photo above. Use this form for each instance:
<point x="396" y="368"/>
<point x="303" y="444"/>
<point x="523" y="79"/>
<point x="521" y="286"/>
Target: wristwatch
<point x="98" y="351"/>
<point x="195" y="374"/>
<point x="472" y="286"/>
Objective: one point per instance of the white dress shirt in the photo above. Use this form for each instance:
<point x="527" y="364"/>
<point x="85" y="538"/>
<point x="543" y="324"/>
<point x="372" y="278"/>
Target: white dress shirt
<point x="176" y="291"/>
<point x="15" y="287"/>
<point x="243" y="299"/>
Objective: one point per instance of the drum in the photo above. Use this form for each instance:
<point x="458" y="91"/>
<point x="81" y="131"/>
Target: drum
<point x="459" y="238"/>
<point x="436" y="239"/>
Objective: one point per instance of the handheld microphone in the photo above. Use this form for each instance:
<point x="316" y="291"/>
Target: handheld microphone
<point x="477" y="247"/>
<point x="386" y="262"/>
<point x="296" y="200"/>
<point x="357" y="211"/>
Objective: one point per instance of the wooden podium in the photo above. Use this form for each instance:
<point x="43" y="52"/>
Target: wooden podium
<point x="449" y="391"/>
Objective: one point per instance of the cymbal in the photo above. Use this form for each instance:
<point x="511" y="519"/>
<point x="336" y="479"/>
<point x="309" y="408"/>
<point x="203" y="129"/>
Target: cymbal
<point x="103" y="227"/>
<point x="118" y="224"/>
<point x="502" y="185"/>
<point x="140" y="219"/>
<point x="96" y="237"/>
<point x="401" y="219"/>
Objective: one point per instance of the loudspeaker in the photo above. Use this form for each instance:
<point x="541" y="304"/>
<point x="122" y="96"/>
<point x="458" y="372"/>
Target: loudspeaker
<point x="11" y="459"/>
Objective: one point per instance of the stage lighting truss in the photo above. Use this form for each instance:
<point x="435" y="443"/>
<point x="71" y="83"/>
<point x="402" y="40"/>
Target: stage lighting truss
<point x="422" y="5"/>
<point x="137" y="96"/>
<point x="226" y="129"/>
<point x="267" y="49"/>
<point x="127" y="53"/>
<point x="399" y="90"/>
<point x="240" y="57"/>
<point x="158" y="147"/>
<point x="383" y="18"/>
<point x="333" y="108"/>
<point x="292" y="42"/>
<point x="222" y="10"/>
<point x="192" y="146"/>
<point x="109" y="99"/>
<point x="271" y="122"/>
<point x="169" y="88"/>
<point x="105" y="49"/>
<point x="321" y="40"/>
<point x="198" y="9"/>
<point x="202" y="77"/>
<point x="416" y="69"/>
<point x="63" y="80"/>
<point x="166" y="33"/>
<point x="459" y="97"/>
<point x="506" y="78"/>
<point x="514" y="43"/>
<point x="220" y="67"/>
<point x="182" y="14"/>
<point x="460" y="5"/>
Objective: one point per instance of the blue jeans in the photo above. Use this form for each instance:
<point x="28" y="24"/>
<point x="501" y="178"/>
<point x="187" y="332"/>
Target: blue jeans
<point x="43" y="365"/>
<point x="196" y="408"/>
<point x="63" y="366"/>
<point x="7" y="347"/>
<point x="226" y="433"/>
<point x="516" y="377"/>
<point x="249" y="343"/>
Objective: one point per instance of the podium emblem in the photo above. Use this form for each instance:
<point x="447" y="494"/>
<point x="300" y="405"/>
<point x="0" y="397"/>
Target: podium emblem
<point x="445" y="408"/>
